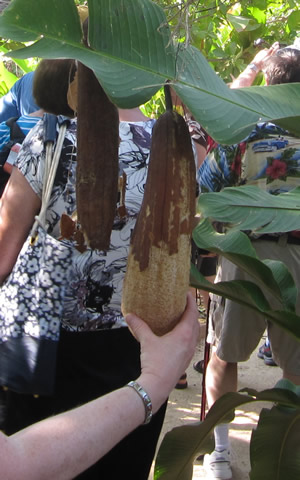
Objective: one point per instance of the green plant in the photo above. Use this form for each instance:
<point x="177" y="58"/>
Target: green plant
<point x="54" y="28"/>
<point x="274" y="448"/>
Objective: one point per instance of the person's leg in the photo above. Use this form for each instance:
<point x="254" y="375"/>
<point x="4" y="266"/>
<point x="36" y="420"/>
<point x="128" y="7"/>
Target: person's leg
<point x="221" y="378"/>
<point x="234" y="332"/>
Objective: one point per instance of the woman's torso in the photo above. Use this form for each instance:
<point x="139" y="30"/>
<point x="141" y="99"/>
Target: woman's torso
<point x="93" y="297"/>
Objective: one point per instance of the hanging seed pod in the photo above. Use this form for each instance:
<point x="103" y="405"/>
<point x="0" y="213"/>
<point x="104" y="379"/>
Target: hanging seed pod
<point x="158" y="268"/>
<point x="97" y="160"/>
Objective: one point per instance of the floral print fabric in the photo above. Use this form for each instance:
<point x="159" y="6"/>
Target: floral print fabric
<point x="93" y="296"/>
<point x="269" y="158"/>
<point x="31" y="297"/>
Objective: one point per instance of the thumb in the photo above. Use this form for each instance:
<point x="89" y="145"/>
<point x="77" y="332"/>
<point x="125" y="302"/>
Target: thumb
<point x="137" y="326"/>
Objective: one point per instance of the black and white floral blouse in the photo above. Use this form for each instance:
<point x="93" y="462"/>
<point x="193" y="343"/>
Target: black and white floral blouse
<point x="93" y="298"/>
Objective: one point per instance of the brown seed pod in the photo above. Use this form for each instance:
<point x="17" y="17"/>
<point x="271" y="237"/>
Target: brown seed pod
<point x="158" y="268"/>
<point x="97" y="160"/>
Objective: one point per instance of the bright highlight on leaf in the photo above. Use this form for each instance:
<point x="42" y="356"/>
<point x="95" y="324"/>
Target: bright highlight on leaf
<point x="251" y="208"/>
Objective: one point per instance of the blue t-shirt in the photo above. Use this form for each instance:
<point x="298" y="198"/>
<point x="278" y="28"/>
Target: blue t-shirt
<point x="25" y="122"/>
<point x="19" y="100"/>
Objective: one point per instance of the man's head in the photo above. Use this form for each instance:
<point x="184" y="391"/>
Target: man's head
<point x="283" y="67"/>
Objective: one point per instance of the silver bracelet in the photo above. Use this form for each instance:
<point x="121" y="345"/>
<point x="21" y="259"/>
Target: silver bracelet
<point x="145" y="398"/>
<point x="253" y="67"/>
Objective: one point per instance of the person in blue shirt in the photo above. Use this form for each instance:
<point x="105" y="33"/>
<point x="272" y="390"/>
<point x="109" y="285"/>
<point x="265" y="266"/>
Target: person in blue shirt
<point x="19" y="100"/>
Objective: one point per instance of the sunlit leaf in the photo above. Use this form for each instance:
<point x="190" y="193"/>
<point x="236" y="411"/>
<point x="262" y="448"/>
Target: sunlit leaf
<point x="7" y="77"/>
<point x="133" y="55"/>
<point x="242" y="23"/>
<point x="250" y="208"/>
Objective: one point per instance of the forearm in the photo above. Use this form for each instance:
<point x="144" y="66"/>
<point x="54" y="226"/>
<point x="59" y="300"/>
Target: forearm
<point x="63" y="446"/>
<point x="247" y="77"/>
<point x="50" y="449"/>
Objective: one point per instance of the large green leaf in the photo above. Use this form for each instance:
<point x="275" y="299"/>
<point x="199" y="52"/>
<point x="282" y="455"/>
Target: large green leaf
<point x="219" y="108"/>
<point x="178" y="451"/>
<point x="131" y="49"/>
<point x="250" y="208"/>
<point x="132" y="55"/>
<point x="275" y="454"/>
<point x="273" y="276"/>
<point x="237" y="248"/>
<point x="249" y="295"/>
<point x="27" y="20"/>
<point x="186" y="442"/>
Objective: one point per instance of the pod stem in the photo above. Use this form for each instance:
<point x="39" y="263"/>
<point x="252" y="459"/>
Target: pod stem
<point x="168" y="97"/>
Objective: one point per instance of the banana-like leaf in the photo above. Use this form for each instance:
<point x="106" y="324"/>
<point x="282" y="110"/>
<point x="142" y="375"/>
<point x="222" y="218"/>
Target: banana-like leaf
<point x="275" y="454"/>
<point x="250" y="208"/>
<point x="185" y="443"/>
<point x="178" y="451"/>
<point x="249" y="295"/>
<point x="132" y="54"/>
<point x="238" y="110"/>
<point x="274" y="276"/>
<point x="26" y="21"/>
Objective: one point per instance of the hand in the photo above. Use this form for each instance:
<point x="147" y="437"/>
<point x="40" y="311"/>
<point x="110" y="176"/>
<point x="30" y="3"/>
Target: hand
<point x="263" y="55"/>
<point x="164" y="359"/>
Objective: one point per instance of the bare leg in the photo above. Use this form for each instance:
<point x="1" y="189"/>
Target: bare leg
<point x="221" y="377"/>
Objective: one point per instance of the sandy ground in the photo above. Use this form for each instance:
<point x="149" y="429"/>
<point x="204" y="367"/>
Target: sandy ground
<point x="184" y="408"/>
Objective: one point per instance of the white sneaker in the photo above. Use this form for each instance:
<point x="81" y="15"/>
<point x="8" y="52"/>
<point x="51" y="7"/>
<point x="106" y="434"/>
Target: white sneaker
<point x="217" y="465"/>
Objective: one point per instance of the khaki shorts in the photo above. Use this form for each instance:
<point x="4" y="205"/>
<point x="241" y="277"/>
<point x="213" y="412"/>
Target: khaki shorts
<point x="236" y="330"/>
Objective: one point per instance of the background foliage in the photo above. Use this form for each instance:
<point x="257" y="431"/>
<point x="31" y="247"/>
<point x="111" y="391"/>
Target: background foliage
<point x="228" y="115"/>
<point x="224" y="31"/>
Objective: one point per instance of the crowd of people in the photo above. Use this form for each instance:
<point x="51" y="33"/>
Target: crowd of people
<point x="235" y="331"/>
<point x="112" y="386"/>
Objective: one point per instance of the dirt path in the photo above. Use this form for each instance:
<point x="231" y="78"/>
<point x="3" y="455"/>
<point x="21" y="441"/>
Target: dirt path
<point x="184" y="408"/>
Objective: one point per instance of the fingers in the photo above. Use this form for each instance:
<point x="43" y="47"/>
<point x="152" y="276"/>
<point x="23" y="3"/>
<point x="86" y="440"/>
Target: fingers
<point x="275" y="46"/>
<point x="190" y="315"/>
<point x="187" y="327"/>
<point x="137" y="326"/>
<point x="272" y="50"/>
